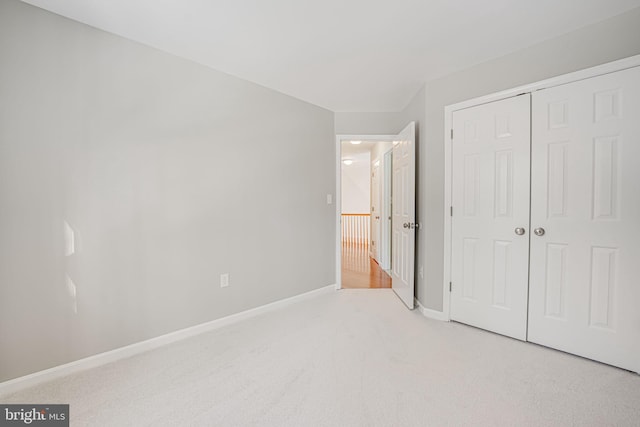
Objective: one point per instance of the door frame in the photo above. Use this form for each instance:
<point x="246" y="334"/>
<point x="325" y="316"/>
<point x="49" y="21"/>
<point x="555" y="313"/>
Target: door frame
<point x="611" y="67"/>
<point x="338" y="165"/>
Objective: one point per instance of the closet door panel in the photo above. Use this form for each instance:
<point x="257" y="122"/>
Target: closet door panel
<point x="585" y="194"/>
<point x="491" y="149"/>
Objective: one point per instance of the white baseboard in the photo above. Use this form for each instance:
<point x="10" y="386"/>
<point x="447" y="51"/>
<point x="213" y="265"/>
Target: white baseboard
<point x="431" y="314"/>
<point x="36" y="378"/>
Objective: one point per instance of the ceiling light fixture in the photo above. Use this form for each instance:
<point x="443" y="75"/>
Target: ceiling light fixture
<point x="356" y="142"/>
<point x="347" y="162"/>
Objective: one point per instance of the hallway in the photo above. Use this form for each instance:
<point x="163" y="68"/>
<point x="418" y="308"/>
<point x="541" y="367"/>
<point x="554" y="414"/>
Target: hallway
<point x="360" y="271"/>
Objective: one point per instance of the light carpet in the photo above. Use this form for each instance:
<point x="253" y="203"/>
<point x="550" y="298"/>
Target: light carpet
<point x="348" y="358"/>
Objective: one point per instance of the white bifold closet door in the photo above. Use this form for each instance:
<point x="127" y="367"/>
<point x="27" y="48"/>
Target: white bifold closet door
<point x="490" y="225"/>
<point x="585" y="268"/>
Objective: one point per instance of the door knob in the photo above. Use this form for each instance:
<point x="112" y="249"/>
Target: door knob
<point x="519" y="231"/>
<point x="539" y="231"/>
<point x="405" y="225"/>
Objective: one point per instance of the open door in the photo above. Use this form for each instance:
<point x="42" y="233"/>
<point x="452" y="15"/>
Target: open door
<point x="403" y="223"/>
<point x="385" y="222"/>
<point x="376" y="212"/>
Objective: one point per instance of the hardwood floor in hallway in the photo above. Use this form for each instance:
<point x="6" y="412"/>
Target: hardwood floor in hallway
<point x="360" y="271"/>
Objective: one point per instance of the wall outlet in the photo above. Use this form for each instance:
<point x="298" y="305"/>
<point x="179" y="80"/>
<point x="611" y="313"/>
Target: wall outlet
<point x="329" y="199"/>
<point x="224" y="280"/>
<point x="421" y="272"/>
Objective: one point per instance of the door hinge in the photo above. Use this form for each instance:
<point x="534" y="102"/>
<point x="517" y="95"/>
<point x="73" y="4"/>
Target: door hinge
<point x="452" y="134"/>
<point x="451" y="211"/>
<point x="450" y="286"/>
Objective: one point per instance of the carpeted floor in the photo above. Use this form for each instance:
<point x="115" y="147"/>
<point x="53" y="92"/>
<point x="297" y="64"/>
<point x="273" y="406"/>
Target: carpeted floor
<point x="347" y="358"/>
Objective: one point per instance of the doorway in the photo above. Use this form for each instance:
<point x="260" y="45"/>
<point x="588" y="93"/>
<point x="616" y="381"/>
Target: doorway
<point x="363" y="244"/>
<point x="403" y="214"/>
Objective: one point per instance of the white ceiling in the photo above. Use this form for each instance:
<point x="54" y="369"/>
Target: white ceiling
<point x="358" y="159"/>
<point x="344" y="55"/>
<point x="349" y="149"/>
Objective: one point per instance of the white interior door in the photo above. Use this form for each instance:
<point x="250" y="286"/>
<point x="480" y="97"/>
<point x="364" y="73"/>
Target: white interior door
<point x="490" y="224"/>
<point x="585" y="269"/>
<point x="374" y="248"/>
<point x="385" y="226"/>
<point x="404" y="215"/>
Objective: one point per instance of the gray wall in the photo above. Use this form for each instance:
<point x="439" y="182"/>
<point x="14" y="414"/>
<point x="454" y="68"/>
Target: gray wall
<point x="167" y="173"/>
<point x="369" y="123"/>
<point x="613" y="39"/>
